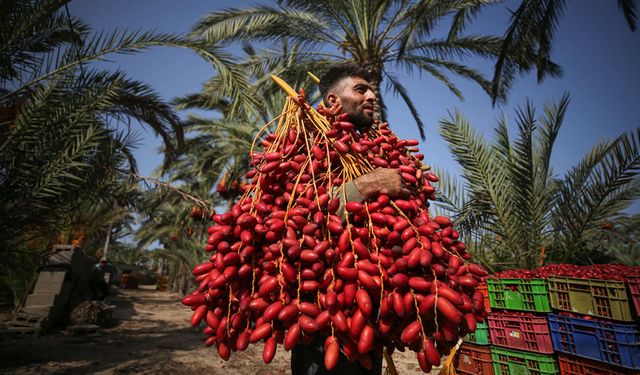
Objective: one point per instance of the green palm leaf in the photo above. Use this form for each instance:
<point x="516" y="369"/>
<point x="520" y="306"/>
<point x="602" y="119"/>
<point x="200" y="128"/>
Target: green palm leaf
<point x="374" y="34"/>
<point x="603" y="184"/>
<point x="512" y="207"/>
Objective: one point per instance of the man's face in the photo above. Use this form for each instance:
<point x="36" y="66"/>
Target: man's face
<point x="357" y="98"/>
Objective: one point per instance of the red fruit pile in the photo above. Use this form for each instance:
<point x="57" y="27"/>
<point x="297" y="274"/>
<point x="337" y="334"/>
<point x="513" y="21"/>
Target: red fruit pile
<point x="285" y="267"/>
<point x="594" y="271"/>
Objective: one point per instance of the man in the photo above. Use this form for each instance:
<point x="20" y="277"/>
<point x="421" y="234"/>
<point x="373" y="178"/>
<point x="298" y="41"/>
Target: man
<point x="347" y="85"/>
<point x="99" y="287"/>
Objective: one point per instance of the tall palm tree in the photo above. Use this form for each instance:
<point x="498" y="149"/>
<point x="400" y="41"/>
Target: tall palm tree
<point x="531" y="33"/>
<point x="167" y="219"/>
<point x="514" y="205"/>
<point x="218" y="149"/>
<point x="619" y="239"/>
<point x="379" y="35"/>
<point x="65" y="127"/>
<point x="221" y="145"/>
<point x="61" y="120"/>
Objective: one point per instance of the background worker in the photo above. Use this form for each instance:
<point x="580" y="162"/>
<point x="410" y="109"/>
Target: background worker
<point x="99" y="286"/>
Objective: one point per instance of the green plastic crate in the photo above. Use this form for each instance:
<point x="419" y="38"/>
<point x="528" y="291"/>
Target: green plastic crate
<point x="514" y="362"/>
<point x="480" y="336"/>
<point x="600" y="298"/>
<point x="519" y="294"/>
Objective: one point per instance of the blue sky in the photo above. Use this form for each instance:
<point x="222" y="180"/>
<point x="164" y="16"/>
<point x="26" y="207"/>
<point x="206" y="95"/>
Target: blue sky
<point x="599" y="54"/>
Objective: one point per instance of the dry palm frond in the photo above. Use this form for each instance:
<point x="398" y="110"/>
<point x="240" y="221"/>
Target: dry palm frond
<point x="448" y="368"/>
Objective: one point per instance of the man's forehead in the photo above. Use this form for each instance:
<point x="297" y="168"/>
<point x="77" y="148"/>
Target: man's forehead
<point x="352" y="82"/>
<point x="358" y="81"/>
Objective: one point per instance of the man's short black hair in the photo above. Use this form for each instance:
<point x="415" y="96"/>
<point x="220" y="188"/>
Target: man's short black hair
<point x="338" y="72"/>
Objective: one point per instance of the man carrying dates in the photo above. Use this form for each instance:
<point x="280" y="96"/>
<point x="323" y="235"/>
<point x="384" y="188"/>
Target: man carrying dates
<point x="346" y="86"/>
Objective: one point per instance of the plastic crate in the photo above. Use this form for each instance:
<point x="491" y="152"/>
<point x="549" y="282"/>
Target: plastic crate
<point x="601" y="298"/>
<point x="485" y="292"/>
<point x="480" y="336"/>
<point x="474" y="360"/>
<point x="514" y="362"/>
<point x="633" y="281"/>
<point x="613" y="343"/>
<point x="570" y="365"/>
<point x="519" y="294"/>
<point x="523" y="332"/>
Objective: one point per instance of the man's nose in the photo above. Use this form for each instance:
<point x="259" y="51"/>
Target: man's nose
<point x="370" y="96"/>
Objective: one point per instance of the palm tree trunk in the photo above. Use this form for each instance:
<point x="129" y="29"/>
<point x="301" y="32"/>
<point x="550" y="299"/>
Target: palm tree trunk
<point x="106" y="243"/>
<point x="230" y="204"/>
<point x="184" y="285"/>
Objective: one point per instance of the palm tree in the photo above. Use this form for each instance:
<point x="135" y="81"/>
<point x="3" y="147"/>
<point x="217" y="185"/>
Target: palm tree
<point x="218" y="154"/>
<point x="168" y="219"/>
<point x="378" y="35"/>
<point x="531" y="33"/>
<point x="111" y="215"/>
<point x="65" y="127"/>
<point x="511" y="203"/>
<point x="219" y="150"/>
<point x="618" y="239"/>
<point x="59" y="144"/>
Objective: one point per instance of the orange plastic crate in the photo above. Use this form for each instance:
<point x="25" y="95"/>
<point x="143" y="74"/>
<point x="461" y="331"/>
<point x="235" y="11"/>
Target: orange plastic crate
<point x="570" y="365"/>
<point x="474" y="360"/>
<point x="485" y="292"/>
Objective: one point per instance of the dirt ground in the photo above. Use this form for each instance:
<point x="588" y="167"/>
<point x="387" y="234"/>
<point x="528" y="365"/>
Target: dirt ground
<point x="151" y="335"/>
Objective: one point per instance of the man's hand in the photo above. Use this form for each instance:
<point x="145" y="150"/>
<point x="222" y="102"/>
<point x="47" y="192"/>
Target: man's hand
<point x="381" y="181"/>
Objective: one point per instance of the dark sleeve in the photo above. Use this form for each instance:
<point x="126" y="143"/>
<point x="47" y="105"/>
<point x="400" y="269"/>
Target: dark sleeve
<point x="309" y="360"/>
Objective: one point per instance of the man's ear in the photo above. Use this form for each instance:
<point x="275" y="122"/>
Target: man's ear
<point x="332" y="99"/>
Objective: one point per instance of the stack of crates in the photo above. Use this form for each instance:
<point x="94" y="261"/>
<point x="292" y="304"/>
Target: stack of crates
<point x="474" y="355"/>
<point x="515" y="338"/>
<point x="557" y="325"/>
<point x="520" y="336"/>
<point x="600" y="335"/>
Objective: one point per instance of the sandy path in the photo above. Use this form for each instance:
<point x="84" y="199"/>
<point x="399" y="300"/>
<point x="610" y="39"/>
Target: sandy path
<point x="151" y="336"/>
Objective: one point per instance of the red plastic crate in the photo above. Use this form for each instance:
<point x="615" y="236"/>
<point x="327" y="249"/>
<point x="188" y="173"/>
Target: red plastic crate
<point x="633" y="281"/>
<point x="474" y="360"/>
<point x="485" y="292"/>
<point x="527" y="332"/>
<point x="570" y="365"/>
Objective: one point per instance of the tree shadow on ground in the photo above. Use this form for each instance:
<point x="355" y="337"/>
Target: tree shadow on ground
<point x="140" y="343"/>
<point x="153" y="343"/>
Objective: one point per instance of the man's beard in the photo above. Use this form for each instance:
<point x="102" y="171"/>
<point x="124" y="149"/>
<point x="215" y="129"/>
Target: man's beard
<point x="358" y="118"/>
